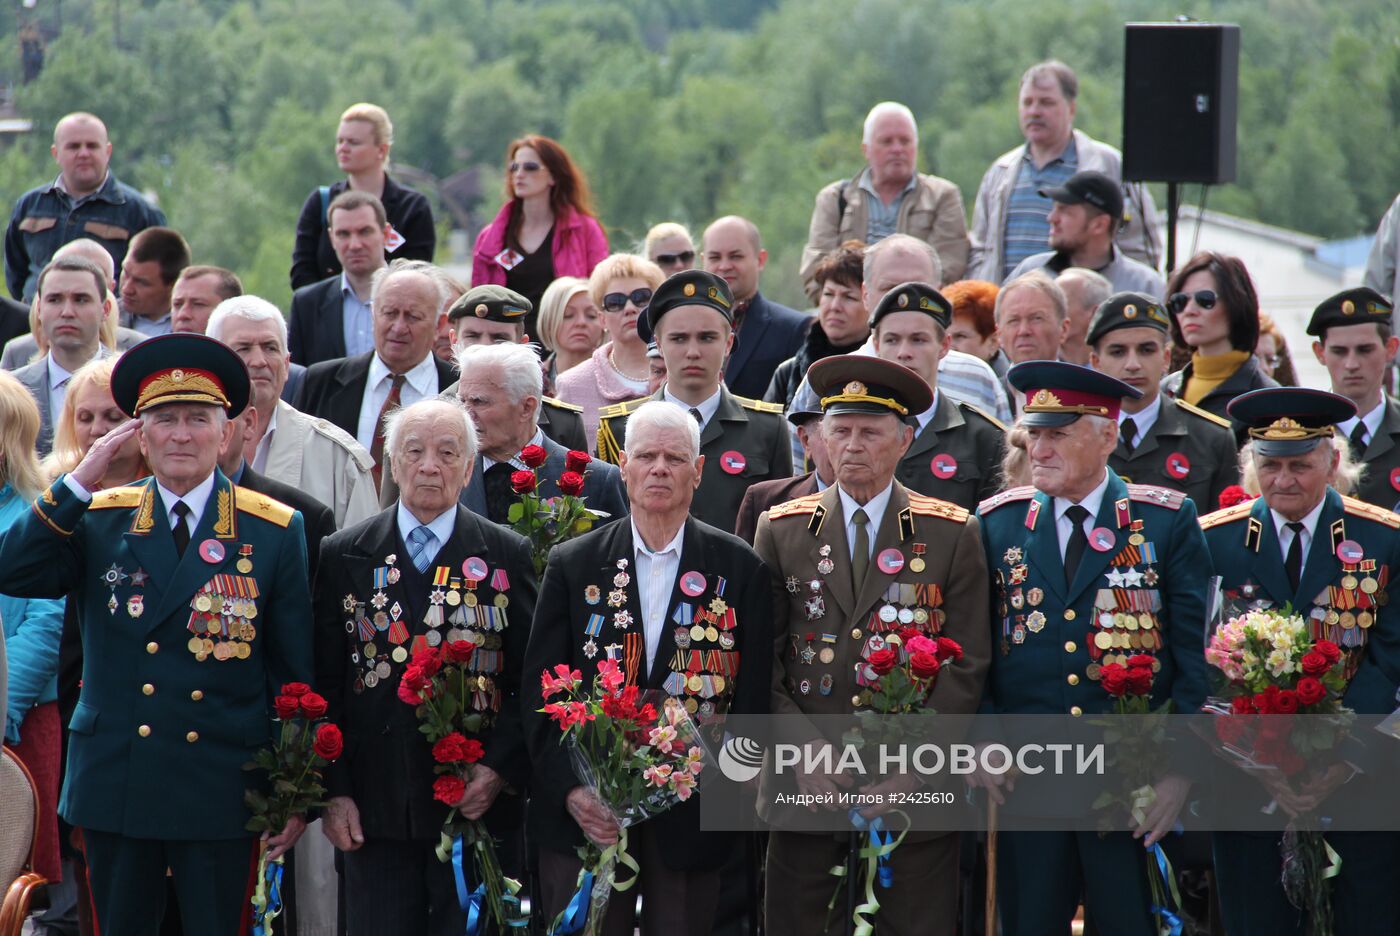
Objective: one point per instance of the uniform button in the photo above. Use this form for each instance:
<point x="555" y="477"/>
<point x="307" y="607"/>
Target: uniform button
<point x="192" y="737"/>
<point x="1069" y="614"/>
<point x="152" y="647"/>
<point x="148" y="689"/>
<point x="1076" y="711"/>
<point x="1070" y="646"/>
<point x="1072" y="679"/>
<point x="144" y="731"/>
<point x="855" y="633"/>
<point x="855" y="700"/>
<point x="197" y="694"/>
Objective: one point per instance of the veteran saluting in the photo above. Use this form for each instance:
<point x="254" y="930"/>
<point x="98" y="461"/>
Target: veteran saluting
<point x="194" y="607"/>
<point x="851" y="564"/>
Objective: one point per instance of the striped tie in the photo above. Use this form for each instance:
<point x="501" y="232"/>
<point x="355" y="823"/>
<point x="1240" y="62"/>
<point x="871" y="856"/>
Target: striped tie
<point x="418" y="542"/>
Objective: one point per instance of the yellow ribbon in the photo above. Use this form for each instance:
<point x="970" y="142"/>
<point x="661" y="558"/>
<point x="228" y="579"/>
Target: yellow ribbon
<point x="618" y="852"/>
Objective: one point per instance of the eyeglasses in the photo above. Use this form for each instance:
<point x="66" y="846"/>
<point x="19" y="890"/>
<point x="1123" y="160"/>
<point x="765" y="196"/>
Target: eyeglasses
<point x="616" y="302"/>
<point x="685" y="256"/>
<point x="525" y="166"/>
<point x="1205" y="298"/>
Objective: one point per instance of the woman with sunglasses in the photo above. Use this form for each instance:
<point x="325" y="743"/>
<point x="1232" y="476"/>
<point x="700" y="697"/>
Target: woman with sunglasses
<point x="546" y="228"/>
<point x="670" y="246"/>
<point x="1215" y="313"/>
<point x="621" y="286"/>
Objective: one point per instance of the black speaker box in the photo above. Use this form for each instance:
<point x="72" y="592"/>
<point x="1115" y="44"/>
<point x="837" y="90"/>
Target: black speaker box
<point x="1180" y="98"/>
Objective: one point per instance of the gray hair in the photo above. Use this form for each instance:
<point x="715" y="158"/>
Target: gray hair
<point x="1041" y="282"/>
<point x="393" y="424"/>
<point x="1056" y="71"/>
<point x="1094" y="288"/>
<point x="884" y="109"/>
<point x="435" y="276"/>
<point x="906" y="243"/>
<point x="520" y="368"/>
<point x="661" y="414"/>
<point x="248" y="308"/>
<point x="1345" y="482"/>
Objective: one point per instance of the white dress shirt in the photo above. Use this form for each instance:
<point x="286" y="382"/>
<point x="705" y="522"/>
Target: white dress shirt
<point x="537" y="439"/>
<point x="1285" y="535"/>
<point x="1064" y="526"/>
<point x="1372" y="421"/>
<point x="926" y="417"/>
<point x="440" y="526"/>
<point x="707" y="408"/>
<point x="58" y="388"/>
<point x="265" y="443"/>
<point x="874" y="510"/>
<point x="420" y="385"/>
<point x="656" y="580"/>
<point x="1144" y="420"/>
<point x="196" y="500"/>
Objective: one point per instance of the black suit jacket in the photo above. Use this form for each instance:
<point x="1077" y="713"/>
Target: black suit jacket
<point x="317" y="518"/>
<point x="558" y="636"/>
<point x="316" y="325"/>
<point x="768" y="336"/>
<point x="388" y="765"/>
<point x="14" y="320"/>
<point x="1380" y="478"/>
<point x="333" y="390"/>
<point x="602" y="485"/>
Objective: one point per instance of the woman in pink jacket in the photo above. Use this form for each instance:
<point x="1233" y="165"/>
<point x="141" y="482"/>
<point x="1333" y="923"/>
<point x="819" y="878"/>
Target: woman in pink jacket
<point x="546" y="228"/>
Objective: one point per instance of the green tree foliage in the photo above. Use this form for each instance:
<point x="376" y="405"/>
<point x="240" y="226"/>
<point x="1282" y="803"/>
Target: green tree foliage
<point x="676" y="109"/>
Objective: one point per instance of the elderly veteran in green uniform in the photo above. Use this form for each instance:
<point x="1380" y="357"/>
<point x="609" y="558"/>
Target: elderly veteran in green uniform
<point x="744" y="441"/>
<point x="1356" y="343"/>
<point x="194" y="609"/>
<point x="1087" y="570"/>
<point x="957" y="449"/>
<point x="1329" y="558"/>
<point x="850" y="564"/>
<point x="1161" y="441"/>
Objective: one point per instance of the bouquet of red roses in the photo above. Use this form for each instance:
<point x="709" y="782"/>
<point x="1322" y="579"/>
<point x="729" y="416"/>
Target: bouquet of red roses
<point x="547" y="522"/>
<point x="640" y="753"/>
<point x="305" y="744"/>
<point x="440" y="685"/>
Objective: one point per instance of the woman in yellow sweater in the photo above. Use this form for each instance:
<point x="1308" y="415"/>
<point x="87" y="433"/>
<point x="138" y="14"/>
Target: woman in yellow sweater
<point x="1215" y="313"/>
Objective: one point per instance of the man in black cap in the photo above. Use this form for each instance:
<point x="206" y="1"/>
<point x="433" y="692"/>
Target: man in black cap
<point x="1303" y="548"/>
<point x="175" y="695"/>
<point x="744" y="441"/>
<point x="1356" y="343"/>
<point x="765" y="494"/>
<point x="1087" y="571"/>
<point x="1162" y="441"/>
<point x="957" y="448"/>
<point x="847" y="564"/>
<point x="1088" y="210"/>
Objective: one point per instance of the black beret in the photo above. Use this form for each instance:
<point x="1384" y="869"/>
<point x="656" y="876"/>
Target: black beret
<point x="688" y="288"/>
<point x="914" y="297"/>
<point x="492" y="303"/>
<point x="1360" y="306"/>
<point x="1127" y="310"/>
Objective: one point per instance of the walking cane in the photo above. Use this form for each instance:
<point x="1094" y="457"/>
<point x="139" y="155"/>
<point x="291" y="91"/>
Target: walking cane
<point x="991" y="910"/>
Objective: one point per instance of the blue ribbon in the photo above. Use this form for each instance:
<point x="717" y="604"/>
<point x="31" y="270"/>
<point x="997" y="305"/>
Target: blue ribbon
<point x="469" y="902"/>
<point x="880" y="837"/>
<point x="1173" y="921"/>
<point x="576" y="913"/>
<point x="273" y="874"/>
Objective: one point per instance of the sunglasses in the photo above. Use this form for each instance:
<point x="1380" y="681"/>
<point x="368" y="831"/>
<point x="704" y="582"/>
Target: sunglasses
<point x="526" y="166"/>
<point x="685" y="256"/>
<point x="616" y="302"/>
<point x="1205" y="298"/>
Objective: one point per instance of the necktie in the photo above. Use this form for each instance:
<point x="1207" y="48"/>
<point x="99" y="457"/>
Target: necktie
<point x="1128" y="429"/>
<point x="1293" y="562"/>
<point x="181" y="529"/>
<point x="418" y="542"/>
<point x="699" y="420"/>
<point x="499" y="495"/>
<point x="1078" y="542"/>
<point x="860" y="558"/>
<point x="1358" y="441"/>
<point x="376" y="447"/>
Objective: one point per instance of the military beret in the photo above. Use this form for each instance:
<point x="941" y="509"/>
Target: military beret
<point x="1286" y="421"/>
<point x="1058" y="393"/>
<point x="1127" y="310"/>
<point x="914" y="297"/>
<point x="180" y="368"/>
<point x="492" y="303"/>
<point x="687" y="288"/>
<point x="857" y="383"/>
<point x="1359" y="306"/>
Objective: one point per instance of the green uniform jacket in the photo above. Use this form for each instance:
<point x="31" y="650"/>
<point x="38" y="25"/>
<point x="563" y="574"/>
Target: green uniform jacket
<point x="1188" y="450"/>
<point x="1380" y="480"/>
<point x="957" y="457"/>
<point x="160" y="736"/>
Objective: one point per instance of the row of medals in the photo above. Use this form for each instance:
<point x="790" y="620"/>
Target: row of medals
<point x="1347" y="627"/>
<point x="235" y="616"/>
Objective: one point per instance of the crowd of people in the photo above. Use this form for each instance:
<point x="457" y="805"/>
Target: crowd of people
<point x="327" y="471"/>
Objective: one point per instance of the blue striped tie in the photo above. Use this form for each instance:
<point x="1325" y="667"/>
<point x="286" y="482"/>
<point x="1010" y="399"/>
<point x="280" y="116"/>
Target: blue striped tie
<point x="418" y="542"/>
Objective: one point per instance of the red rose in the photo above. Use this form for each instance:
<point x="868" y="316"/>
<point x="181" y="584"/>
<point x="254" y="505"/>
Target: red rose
<point x="411" y="696"/>
<point x="907" y="634"/>
<point x="329" y="743"/>
<point x="458" y="651"/>
<point x="297" y="689"/>
<point x="571" y="483"/>
<point x="1327" y="648"/>
<point x="287" y="706"/>
<point x="577" y="461"/>
<point x="1310" y="690"/>
<point x="313" y="705"/>
<point x="534" y="455"/>
<point x="1287" y="702"/>
<point x="449" y="790"/>
<point x="1114" y="677"/>
<point x="1263" y="703"/>
<point x="1139" y="681"/>
<point x="1141" y="659"/>
<point x="1315" y="664"/>
<point x="923" y="665"/>
<point x="949" y="649"/>
<point x="1241" y="705"/>
<point x="450" y="749"/>
<point x="1232" y="495"/>
<point x="522" y="482"/>
<point x="473" y="751"/>
<point x="427" y="661"/>
<point x="883" y="660"/>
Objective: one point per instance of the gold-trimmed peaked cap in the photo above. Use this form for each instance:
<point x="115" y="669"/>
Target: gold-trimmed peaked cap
<point x="855" y="383"/>
<point x="491" y="303"/>
<point x="1058" y="393"/>
<point x="686" y="288"/>
<point x="180" y="368"/>
<point x="914" y="297"/>
<point x="1286" y="421"/>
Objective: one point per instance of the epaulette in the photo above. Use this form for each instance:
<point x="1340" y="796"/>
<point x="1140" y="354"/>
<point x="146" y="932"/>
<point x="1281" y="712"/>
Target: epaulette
<point x="560" y="404"/>
<point x="804" y="505"/>
<point x="933" y="507"/>
<point x="985" y="415"/>
<point x="621" y="409"/>
<point x="1197" y="411"/>
<point x="345" y="440"/>
<point x="758" y="406"/>
<point x="1228" y="515"/>
<point x="117" y="497"/>
<point x="1152" y="494"/>
<point x="1024" y="492"/>
<point x="1359" y="508"/>
<point x="262" y="506"/>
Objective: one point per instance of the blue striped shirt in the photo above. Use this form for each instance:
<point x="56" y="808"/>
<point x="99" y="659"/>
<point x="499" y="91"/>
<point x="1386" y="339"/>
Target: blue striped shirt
<point x="1028" y="213"/>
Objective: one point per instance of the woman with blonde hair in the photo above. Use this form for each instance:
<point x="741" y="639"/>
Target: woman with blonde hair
<point x="32" y="628"/>
<point x="570" y="327"/>
<point x="89" y="413"/>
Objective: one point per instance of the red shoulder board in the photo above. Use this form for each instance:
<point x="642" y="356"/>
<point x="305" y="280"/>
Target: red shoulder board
<point x="1151" y="494"/>
<point x="1025" y="492"/>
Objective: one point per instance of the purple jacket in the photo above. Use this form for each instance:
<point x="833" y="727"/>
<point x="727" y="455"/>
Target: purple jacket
<point x="578" y="245"/>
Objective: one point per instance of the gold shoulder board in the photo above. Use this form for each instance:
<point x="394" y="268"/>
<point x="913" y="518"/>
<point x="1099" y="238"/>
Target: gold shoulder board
<point x="985" y="415"/>
<point x="260" y="505"/>
<point x="1011" y="495"/>
<point x="758" y="406"/>
<point x="117" y="497"/>
<point x="933" y="507"/>
<point x="1197" y="411"/>
<point x="1228" y="515"/>
<point x="802" y="506"/>
<point x="1358" y="508"/>
<point x="560" y="404"/>
<point x="1152" y="494"/>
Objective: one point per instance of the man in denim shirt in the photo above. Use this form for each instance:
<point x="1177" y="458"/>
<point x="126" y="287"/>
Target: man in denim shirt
<point x="84" y="201"/>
